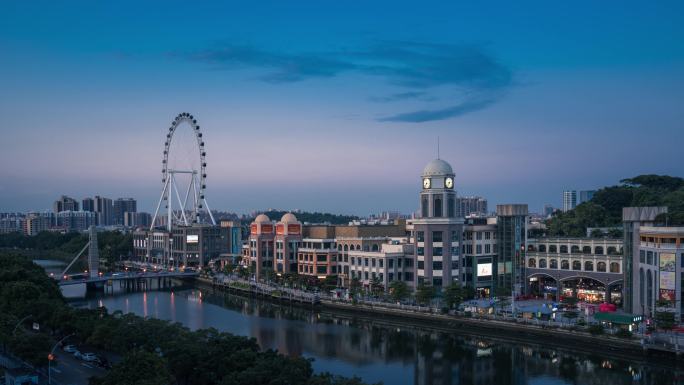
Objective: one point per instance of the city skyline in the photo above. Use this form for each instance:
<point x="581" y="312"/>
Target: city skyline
<point x="287" y="95"/>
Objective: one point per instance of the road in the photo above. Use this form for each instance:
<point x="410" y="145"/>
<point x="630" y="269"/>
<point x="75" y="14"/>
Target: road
<point x="70" y="370"/>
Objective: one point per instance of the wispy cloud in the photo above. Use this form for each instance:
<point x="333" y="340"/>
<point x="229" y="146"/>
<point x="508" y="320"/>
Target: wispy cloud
<point x="416" y="67"/>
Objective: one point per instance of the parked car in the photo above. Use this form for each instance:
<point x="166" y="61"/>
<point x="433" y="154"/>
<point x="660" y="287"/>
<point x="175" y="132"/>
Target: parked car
<point x="70" y="348"/>
<point x="77" y="354"/>
<point x="90" y="357"/>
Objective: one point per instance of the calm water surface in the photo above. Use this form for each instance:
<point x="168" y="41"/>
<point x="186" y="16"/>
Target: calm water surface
<point x="377" y="352"/>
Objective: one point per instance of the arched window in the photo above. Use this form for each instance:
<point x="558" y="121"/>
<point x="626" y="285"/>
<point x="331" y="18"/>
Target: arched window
<point x="642" y="289"/>
<point x="438" y="206"/>
<point x="530" y="248"/>
<point x="576" y="265"/>
<point x="358" y="247"/>
<point x="588" y="266"/>
<point x="339" y="247"/>
<point x="346" y="247"/>
<point x="586" y="250"/>
<point x="531" y="263"/>
<point x="598" y="250"/>
<point x="375" y="247"/>
<point x="565" y="265"/>
<point x="614" y="267"/>
<point x="601" y="267"/>
<point x="649" y="289"/>
<point x="553" y="249"/>
<point x="542" y="263"/>
<point x="564" y="249"/>
<point x="612" y="250"/>
<point x="365" y="248"/>
<point x="542" y="248"/>
<point x="451" y="207"/>
<point x="553" y="264"/>
<point x="575" y="249"/>
<point x="424" y="207"/>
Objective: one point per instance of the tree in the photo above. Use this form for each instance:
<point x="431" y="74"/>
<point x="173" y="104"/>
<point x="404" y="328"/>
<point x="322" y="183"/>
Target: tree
<point x="399" y="290"/>
<point x="376" y="286"/>
<point x="354" y="288"/>
<point x="453" y="295"/>
<point x="138" y="368"/>
<point x="665" y="319"/>
<point x="425" y="293"/>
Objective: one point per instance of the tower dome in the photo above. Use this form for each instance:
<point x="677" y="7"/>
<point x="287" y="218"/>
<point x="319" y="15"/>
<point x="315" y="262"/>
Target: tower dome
<point x="289" y="218"/>
<point x="438" y="167"/>
<point x="261" y="218"/>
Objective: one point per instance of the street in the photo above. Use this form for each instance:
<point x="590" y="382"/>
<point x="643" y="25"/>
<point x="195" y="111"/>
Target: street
<point x="69" y="370"/>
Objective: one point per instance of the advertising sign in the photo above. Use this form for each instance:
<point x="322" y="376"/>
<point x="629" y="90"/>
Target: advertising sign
<point x="484" y="269"/>
<point x="667" y="277"/>
<point x="667" y="262"/>
<point x="192" y="239"/>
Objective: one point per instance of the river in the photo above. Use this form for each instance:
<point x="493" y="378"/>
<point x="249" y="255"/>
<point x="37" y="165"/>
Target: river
<point x="380" y="352"/>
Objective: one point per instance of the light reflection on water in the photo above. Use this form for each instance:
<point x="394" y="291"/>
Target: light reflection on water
<point x="376" y="351"/>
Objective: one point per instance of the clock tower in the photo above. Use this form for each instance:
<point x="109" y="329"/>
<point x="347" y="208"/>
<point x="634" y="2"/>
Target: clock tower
<point x="437" y="231"/>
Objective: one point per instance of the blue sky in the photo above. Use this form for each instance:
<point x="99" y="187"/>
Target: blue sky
<point x="336" y="106"/>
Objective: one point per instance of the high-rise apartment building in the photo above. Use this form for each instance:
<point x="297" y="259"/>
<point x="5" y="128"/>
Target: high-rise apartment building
<point x="75" y="220"/>
<point x="37" y="222"/>
<point x="120" y="207"/>
<point x="585" y="196"/>
<point x="103" y="207"/>
<point x="438" y="230"/>
<point x="88" y="204"/>
<point x="569" y="200"/>
<point x="65" y="203"/>
<point x="472" y="205"/>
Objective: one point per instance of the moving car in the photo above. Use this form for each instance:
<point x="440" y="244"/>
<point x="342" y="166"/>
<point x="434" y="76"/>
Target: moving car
<point x="90" y="357"/>
<point x="70" y="348"/>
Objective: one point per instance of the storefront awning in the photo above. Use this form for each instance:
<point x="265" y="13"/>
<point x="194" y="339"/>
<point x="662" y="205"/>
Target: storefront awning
<point x="618" y="318"/>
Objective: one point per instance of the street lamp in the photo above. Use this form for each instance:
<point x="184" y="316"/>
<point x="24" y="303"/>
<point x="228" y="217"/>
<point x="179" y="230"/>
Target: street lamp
<point x="51" y="357"/>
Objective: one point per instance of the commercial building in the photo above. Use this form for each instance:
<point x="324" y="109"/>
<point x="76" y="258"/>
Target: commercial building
<point x="479" y="254"/>
<point x="437" y="232"/>
<point x="633" y="218"/>
<point x="586" y="195"/>
<point x="389" y="262"/>
<point x="65" y="203"/>
<point x="288" y="237"/>
<point x="103" y="207"/>
<point x="187" y="246"/>
<point x="120" y="207"/>
<point x="587" y="268"/>
<point x="261" y="236"/>
<point x="511" y="235"/>
<point x="472" y="205"/>
<point x="569" y="200"/>
<point x="135" y="219"/>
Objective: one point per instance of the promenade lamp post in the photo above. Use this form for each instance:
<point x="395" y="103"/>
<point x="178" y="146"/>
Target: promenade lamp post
<point x="51" y="357"/>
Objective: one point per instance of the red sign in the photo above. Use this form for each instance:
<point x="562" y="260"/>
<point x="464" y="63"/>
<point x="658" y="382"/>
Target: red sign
<point x="266" y="228"/>
<point x="280" y="229"/>
<point x="253" y="229"/>
<point x="293" y="229"/>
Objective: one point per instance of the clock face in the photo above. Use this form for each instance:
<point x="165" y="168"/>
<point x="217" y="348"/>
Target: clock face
<point x="449" y="182"/>
<point x="426" y="183"/>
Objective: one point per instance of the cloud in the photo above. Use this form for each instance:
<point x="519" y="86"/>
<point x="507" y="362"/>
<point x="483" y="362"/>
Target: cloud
<point x="439" y="114"/>
<point x="416" y="67"/>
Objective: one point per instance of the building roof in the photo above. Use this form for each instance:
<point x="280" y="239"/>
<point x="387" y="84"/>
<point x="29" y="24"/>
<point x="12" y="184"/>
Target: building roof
<point x="289" y="218"/>
<point x="262" y="218"/>
<point x="438" y="167"/>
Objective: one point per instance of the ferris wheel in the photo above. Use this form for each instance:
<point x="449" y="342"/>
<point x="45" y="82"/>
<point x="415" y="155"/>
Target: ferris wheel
<point x="184" y="165"/>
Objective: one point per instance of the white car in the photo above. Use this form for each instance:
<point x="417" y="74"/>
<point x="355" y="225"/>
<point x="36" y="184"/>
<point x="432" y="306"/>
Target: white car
<point x="70" y="348"/>
<point x="90" y="357"/>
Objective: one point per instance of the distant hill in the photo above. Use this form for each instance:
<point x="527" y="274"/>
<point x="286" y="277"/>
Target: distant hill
<point x="605" y="208"/>
<point x="315" y="217"/>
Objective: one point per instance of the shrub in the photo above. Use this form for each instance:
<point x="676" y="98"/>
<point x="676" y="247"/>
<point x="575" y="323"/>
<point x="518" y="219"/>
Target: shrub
<point x="623" y="333"/>
<point x="596" y="329"/>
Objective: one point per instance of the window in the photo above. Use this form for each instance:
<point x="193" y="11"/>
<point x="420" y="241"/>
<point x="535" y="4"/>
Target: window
<point x="390" y="263"/>
<point x="553" y="264"/>
<point x="454" y="236"/>
<point x="437" y="265"/>
<point x="381" y="263"/>
<point x="532" y="263"/>
<point x="642" y="256"/>
<point x="437" y="282"/>
<point x="365" y="261"/>
<point x="390" y="277"/>
<point x="454" y="265"/>
<point x="438" y="206"/>
<point x="478" y="249"/>
<point x="598" y="250"/>
<point x="586" y="250"/>
<point x="542" y="248"/>
<point x="375" y="248"/>
<point x="399" y="262"/>
<point x="488" y="235"/>
<point x="408" y="262"/>
<point x="588" y="266"/>
<point x="424" y="207"/>
<point x="365" y="274"/>
<point x="564" y="249"/>
<point x="437" y="251"/>
<point x="321" y="258"/>
<point x="373" y="262"/>
<point x="436" y="236"/>
<point x="649" y="257"/>
<point x="421" y="265"/>
<point x="542" y="263"/>
<point x="488" y="248"/>
<point x="575" y="249"/>
<point x="478" y="235"/>
<point x="601" y="267"/>
<point x="352" y="260"/>
<point x="454" y="251"/>
<point x="565" y="265"/>
<point x="576" y="265"/>
<point x="614" y="267"/>
<point x="321" y="269"/>
<point x="451" y="207"/>
<point x="420" y="236"/>
<point x="420" y="251"/>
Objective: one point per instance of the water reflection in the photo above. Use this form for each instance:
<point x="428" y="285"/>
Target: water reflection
<point x="377" y="350"/>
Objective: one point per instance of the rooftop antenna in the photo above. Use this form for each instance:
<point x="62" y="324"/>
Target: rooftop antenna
<point x="437" y="147"/>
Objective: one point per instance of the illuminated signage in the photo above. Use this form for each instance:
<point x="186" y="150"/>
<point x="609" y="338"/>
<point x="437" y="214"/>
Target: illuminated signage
<point x="484" y="269"/>
<point x="192" y="239"/>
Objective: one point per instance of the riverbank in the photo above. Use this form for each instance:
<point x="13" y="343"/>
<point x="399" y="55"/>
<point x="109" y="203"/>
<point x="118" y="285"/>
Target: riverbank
<point x="509" y="330"/>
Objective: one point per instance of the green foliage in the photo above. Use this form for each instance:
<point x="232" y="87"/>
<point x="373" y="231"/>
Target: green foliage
<point x="376" y="286"/>
<point x="623" y="333"/>
<point x="399" y="290"/>
<point x="605" y="208"/>
<point x="137" y="368"/>
<point x="596" y="329"/>
<point x="425" y="293"/>
<point x="665" y="319"/>
<point x="453" y="295"/>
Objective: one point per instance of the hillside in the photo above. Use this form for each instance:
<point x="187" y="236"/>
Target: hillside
<point x="605" y="208"/>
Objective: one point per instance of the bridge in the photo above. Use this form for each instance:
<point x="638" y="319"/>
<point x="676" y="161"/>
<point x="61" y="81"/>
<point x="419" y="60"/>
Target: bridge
<point x="128" y="276"/>
<point x="93" y="275"/>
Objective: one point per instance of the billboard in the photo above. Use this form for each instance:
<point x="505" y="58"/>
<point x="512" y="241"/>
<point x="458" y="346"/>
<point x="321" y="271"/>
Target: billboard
<point x="667" y="277"/>
<point x="192" y="239"/>
<point x="484" y="269"/>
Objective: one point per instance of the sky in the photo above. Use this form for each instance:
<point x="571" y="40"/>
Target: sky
<point x="337" y="106"/>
